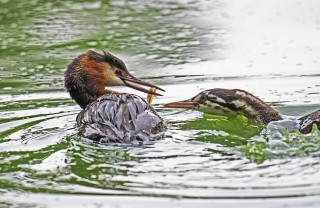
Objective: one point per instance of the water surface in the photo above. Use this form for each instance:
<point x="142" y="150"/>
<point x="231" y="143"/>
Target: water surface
<point x="270" y="49"/>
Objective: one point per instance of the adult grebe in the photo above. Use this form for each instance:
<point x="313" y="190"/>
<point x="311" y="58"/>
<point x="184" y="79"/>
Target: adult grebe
<point x="232" y="102"/>
<point x="109" y="116"/>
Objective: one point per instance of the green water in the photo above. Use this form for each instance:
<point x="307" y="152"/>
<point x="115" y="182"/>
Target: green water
<point x="184" y="47"/>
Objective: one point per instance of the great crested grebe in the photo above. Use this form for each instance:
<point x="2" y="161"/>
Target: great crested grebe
<point x="109" y="116"/>
<point x="232" y="102"/>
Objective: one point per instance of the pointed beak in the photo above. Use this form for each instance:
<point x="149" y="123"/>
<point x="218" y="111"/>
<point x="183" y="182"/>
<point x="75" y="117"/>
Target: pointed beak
<point x="129" y="80"/>
<point x="182" y="104"/>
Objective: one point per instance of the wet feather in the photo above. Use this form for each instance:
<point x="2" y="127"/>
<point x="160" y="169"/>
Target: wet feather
<point x="119" y="118"/>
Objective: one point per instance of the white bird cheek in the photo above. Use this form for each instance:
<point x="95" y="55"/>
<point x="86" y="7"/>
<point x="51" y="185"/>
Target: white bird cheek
<point x="214" y="108"/>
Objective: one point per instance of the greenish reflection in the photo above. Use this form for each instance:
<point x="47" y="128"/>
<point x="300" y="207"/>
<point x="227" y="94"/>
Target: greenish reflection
<point x="228" y="132"/>
<point x="291" y="144"/>
<point x="39" y="38"/>
<point x="84" y="166"/>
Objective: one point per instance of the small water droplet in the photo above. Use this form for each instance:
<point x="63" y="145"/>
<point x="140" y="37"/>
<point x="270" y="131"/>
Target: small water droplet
<point x="92" y="43"/>
<point x="7" y="88"/>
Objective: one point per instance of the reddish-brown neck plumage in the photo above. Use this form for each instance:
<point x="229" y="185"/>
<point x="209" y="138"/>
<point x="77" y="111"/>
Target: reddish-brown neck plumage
<point x="86" y="78"/>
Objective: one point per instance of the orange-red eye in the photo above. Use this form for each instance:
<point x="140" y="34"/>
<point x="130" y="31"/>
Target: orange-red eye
<point x="117" y="72"/>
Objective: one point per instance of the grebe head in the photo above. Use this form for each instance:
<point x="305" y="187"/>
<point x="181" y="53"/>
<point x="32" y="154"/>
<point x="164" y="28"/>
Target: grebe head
<point x="230" y="102"/>
<point x="210" y="101"/>
<point x="87" y="76"/>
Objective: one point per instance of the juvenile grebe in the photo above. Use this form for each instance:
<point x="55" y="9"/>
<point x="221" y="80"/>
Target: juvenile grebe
<point x="109" y="116"/>
<point x="232" y="102"/>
